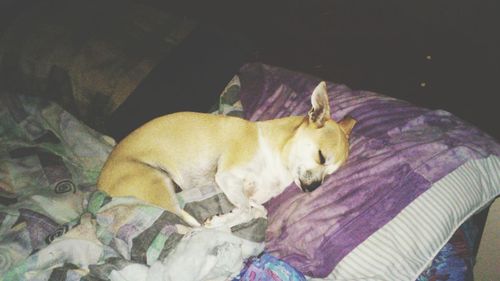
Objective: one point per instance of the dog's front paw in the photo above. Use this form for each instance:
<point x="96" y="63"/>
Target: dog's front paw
<point x="226" y="221"/>
<point x="213" y="222"/>
<point x="208" y="222"/>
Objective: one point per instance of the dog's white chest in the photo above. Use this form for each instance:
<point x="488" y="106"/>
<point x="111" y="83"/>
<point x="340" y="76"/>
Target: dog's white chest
<point x="265" y="176"/>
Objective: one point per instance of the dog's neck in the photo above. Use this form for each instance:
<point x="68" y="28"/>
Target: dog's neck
<point x="278" y="132"/>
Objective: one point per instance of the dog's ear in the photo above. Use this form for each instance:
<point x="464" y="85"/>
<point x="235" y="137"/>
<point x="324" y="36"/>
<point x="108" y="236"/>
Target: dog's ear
<point x="320" y="111"/>
<point x="346" y="124"/>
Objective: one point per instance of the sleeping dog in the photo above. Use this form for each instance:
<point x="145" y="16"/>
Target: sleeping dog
<point x="250" y="162"/>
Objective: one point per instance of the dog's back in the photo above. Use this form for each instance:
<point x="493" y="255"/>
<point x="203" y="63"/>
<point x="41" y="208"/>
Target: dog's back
<point x="177" y="150"/>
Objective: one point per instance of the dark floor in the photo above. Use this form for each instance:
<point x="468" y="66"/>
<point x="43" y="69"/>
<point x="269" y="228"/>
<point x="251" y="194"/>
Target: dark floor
<point x="439" y="54"/>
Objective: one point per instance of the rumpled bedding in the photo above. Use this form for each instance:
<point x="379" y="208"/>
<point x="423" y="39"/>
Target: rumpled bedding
<point x="54" y="225"/>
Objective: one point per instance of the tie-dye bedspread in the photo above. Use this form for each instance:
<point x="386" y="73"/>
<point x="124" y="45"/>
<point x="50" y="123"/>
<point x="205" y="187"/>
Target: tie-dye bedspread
<point x="398" y="151"/>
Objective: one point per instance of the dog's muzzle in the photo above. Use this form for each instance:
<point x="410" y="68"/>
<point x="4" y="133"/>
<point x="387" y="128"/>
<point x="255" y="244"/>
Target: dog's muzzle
<point x="310" y="187"/>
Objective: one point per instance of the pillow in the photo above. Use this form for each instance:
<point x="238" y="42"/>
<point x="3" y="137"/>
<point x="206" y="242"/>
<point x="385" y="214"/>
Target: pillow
<point x="413" y="176"/>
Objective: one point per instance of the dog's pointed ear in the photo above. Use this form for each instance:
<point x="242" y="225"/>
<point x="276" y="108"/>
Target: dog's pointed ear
<point x="320" y="111"/>
<point x="346" y="124"/>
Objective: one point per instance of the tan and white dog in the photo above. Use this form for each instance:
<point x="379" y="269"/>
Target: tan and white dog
<point x="250" y="162"/>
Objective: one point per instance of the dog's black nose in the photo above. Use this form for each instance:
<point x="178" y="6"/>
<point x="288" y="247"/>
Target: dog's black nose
<point x="311" y="187"/>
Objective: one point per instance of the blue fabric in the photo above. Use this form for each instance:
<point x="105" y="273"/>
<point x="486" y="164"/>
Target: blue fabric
<point x="456" y="259"/>
<point x="266" y="267"/>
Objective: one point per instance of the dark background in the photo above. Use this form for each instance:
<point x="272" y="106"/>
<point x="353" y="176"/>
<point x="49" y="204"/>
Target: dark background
<point x="438" y="54"/>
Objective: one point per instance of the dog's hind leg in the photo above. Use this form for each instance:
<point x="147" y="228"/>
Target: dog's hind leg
<point x="147" y="184"/>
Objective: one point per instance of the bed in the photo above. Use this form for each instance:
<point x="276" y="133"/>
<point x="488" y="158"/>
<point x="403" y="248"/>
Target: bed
<point x="410" y="203"/>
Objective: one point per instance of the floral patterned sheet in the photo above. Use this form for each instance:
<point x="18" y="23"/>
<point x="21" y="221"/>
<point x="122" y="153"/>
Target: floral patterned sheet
<point x="54" y="225"/>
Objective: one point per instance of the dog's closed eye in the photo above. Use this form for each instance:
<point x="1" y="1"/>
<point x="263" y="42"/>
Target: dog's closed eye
<point x="322" y="159"/>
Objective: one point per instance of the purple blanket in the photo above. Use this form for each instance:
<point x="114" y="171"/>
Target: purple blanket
<point x="398" y="151"/>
